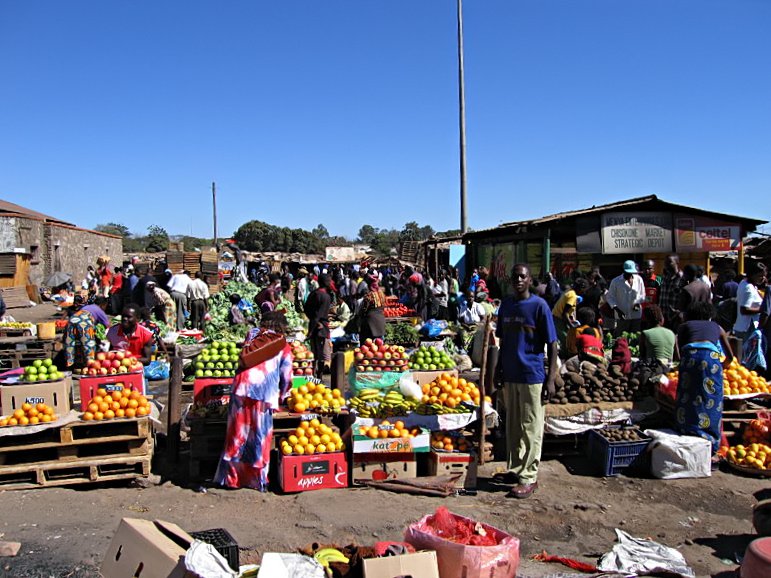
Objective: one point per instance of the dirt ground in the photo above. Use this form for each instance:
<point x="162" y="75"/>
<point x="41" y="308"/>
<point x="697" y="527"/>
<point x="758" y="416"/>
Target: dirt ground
<point x="65" y="532"/>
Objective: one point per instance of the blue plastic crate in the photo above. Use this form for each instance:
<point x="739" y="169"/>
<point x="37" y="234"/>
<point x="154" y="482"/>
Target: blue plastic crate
<point x="611" y="459"/>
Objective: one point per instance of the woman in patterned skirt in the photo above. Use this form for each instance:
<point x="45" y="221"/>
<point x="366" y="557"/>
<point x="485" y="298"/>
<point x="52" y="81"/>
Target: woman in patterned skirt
<point x="699" y="406"/>
<point x="255" y="395"/>
<point x="80" y="336"/>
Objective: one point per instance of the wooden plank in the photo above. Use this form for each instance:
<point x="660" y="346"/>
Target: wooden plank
<point x="67" y="474"/>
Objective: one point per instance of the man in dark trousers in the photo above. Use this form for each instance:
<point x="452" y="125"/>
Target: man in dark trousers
<point x="317" y="309"/>
<point x="525" y="328"/>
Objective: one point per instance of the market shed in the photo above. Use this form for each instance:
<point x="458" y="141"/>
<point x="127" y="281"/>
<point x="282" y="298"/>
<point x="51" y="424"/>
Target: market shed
<point x="605" y="236"/>
<point x="34" y="245"/>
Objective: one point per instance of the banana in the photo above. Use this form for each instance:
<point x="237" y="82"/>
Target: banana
<point x="331" y="555"/>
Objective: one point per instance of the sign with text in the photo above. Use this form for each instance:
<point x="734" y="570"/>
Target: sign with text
<point x="636" y="233"/>
<point x="700" y="234"/>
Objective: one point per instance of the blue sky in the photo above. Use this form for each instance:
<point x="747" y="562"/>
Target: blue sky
<point x="344" y="112"/>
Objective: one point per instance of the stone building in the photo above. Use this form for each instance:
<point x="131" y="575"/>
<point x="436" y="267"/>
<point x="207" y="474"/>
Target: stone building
<point x="33" y="246"/>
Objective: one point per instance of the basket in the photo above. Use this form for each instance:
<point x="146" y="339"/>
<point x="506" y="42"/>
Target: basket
<point x="223" y="542"/>
<point x="611" y="459"/>
<point x="46" y="330"/>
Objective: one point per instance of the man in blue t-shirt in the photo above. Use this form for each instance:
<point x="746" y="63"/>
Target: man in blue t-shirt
<point x="525" y="328"/>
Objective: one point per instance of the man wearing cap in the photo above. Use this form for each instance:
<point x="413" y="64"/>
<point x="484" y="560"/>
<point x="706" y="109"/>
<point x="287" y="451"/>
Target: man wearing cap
<point x="625" y="296"/>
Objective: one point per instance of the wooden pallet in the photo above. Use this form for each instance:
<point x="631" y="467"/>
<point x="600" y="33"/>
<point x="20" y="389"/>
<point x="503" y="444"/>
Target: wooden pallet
<point x="61" y="473"/>
<point x="78" y="452"/>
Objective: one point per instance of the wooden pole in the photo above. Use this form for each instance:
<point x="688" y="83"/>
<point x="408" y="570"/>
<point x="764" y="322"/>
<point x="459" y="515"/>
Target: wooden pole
<point x="174" y="408"/>
<point x="214" y="208"/>
<point x="462" y="121"/>
<point x="338" y="371"/>
<point x="481" y="428"/>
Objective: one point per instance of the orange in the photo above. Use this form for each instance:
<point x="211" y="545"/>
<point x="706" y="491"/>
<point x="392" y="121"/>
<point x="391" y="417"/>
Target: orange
<point x="383" y="434"/>
<point x="142" y="411"/>
<point x="13" y="421"/>
<point x="18" y="414"/>
<point x="45" y="418"/>
<point x="120" y="413"/>
<point x="92" y="407"/>
<point x="131" y="412"/>
<point x="115" y="406"/>
<point x="104" y="406"/>
<point x="3" y="422"/>
<point x="97" y="399"/>
<point x="34" y="420"/>
<point x="373" y="432"/>
<point x="99" y="416"/>
<point x="88" y="416"/>
<point x="24" y="420"/>
<point x="331" y="447"/>
<point x="26" y="406"/>
<point x="109" y="414"/>
<point x="32" y="412"/>
<point x="299" y="450"/>
<point x="116" y="396"/>
<point x="124" y="401"/>
<point x="48" y="410"/>
<point x="303" y="440"/>
<point x="41" y="407"/>
<point x="321" y="448"/>
<point x="133" y="403"/>
<point x="135" y="395"/>
<point x="143" y="401"/>
<point x="310" y="449"/>
<point x="394" y="433"/>
<point x="286" y="450"/>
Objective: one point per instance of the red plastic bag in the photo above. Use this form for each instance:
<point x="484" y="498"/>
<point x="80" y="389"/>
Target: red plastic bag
<point x="465" y="548"/>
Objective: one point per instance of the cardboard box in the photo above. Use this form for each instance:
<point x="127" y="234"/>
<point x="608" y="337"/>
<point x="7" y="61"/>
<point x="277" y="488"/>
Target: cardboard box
<point x="423" y="377"/>
<point x="418" y="565"/>
<point x="89" y="385"/>
<point x="419" y="443"/>
<point x="449" y="463"/>
<point x="381" y="467"/>
<point x="147" y="548"/>
<point x="299" y="380"/>
<point x="314" y="472"/>
<point x="56" y="394"/>
<point x="212" y="390"/>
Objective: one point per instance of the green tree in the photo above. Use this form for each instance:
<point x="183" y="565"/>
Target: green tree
<point x="114" y="229"/>
<point x="367" y="234"/>
<point x="320" y="231"/>
<point x="157" y="239"/>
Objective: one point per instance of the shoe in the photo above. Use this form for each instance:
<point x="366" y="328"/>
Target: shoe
<point x="522" y="491"/>
<point x="507" y="478"/>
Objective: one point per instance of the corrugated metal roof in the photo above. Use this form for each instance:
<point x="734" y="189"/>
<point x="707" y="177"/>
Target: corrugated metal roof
<point x="619" y="205"/>
<point x="8" y="207"/>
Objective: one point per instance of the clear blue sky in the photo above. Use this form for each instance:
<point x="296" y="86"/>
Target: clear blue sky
<point x="344" y="112"/>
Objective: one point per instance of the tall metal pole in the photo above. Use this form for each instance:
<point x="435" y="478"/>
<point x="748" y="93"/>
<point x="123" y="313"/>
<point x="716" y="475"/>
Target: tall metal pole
<point x="214" y="205"/>
<point x="462" y="112"/>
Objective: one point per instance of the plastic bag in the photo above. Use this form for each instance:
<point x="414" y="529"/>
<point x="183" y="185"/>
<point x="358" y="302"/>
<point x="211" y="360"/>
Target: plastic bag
<point x="433" y="328"/>
<point x="674" y="456"/>
<point x="458" y="560"/>
<point x="638" y="556"/>
<point x="383" y="380"/>
<point x="246" y="307"/>
<point x="157" y="370"/>
<point x="409" y="387"/>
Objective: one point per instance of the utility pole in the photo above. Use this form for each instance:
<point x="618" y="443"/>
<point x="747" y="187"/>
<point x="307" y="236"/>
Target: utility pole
<point x="214" y="205"/>
<point x="462" y="112"/>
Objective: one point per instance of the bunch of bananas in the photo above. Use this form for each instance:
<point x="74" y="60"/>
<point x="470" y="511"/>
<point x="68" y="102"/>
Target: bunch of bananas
<point x="327" y="555"/>
<point x="439" y="409"/>
<point x="15" y="325"/>
<point x="377" y="403"/>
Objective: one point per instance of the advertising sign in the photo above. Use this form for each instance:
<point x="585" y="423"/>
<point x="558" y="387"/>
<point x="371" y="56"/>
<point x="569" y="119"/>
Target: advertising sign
<point x="700" y="234"/>
<point x="636" y="233"/>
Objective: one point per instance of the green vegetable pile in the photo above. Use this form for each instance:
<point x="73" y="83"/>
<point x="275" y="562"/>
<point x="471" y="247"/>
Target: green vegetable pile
<point x="218" y="329"/>
<point x="401" y="334"/>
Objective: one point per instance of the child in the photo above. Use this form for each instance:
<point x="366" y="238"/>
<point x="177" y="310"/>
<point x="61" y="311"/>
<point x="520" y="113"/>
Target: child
<point x="586" y="321"/>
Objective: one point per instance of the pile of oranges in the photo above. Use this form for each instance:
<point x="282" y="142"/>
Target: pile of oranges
<point x="387" y="430"/>
<point x="29" y="414"/>
<point x="449" y="443"/>
<point x="315" y="397"/>
<point x="312" y="437"/>
<point x="121" y="403"/>
<point x="449" y="390"/>
<point x="738" y="380"/>
<point x="757" y="432"/>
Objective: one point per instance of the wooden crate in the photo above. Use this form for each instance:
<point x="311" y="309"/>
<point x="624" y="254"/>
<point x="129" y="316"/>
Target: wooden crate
<point x="79" y="452"/>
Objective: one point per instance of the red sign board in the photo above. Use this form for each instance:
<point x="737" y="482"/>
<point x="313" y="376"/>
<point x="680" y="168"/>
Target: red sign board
<point x="703" y="235"/>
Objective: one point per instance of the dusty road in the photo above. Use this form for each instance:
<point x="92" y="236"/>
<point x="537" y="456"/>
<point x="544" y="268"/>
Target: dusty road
<point x="65" y="532"/>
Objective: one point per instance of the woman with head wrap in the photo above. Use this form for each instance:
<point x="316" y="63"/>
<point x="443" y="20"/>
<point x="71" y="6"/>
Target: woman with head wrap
<point x="371" y="316"/>
<point x="161" y="303"/>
